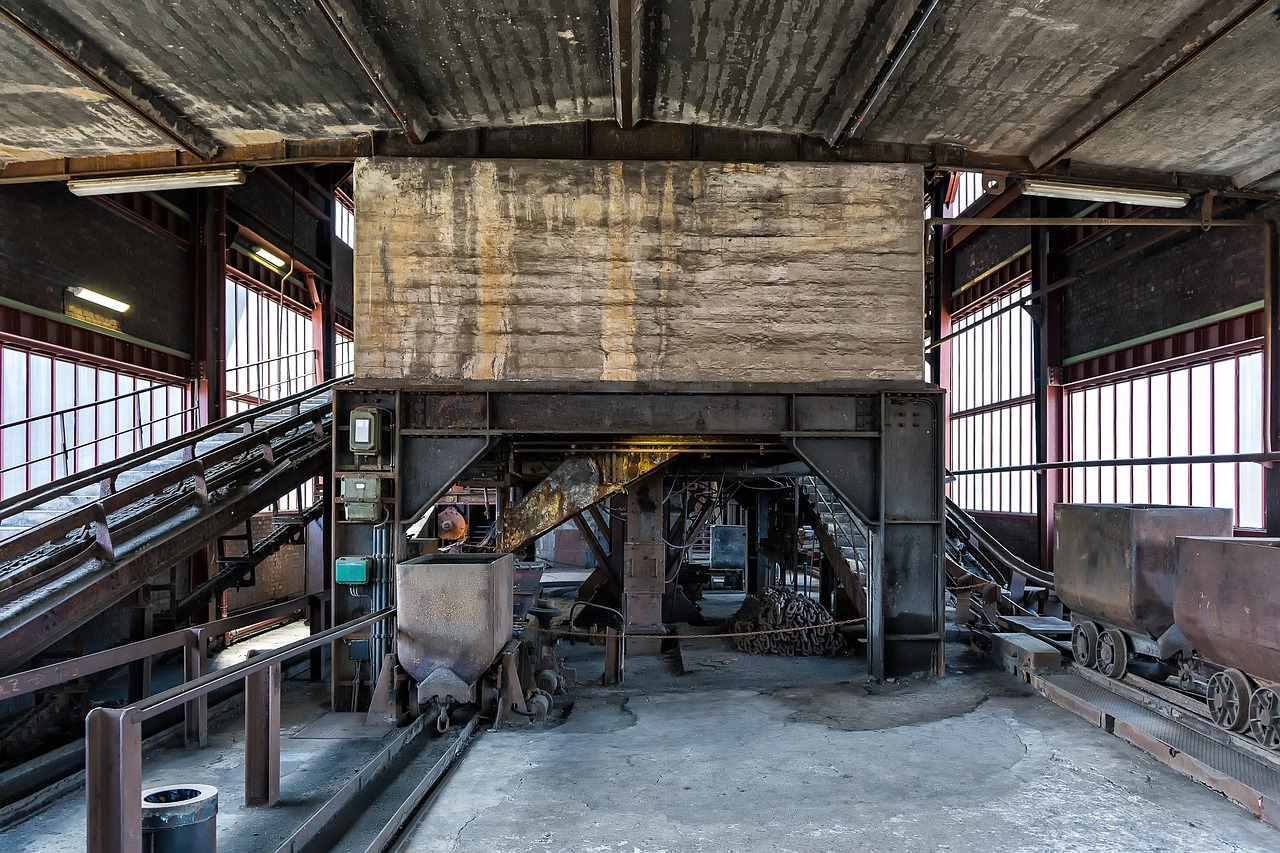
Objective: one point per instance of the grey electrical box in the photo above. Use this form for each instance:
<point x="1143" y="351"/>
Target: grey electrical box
<point x="361" y="497"/>
<point x="364" y="436"/>
<point x="359" y="489"/>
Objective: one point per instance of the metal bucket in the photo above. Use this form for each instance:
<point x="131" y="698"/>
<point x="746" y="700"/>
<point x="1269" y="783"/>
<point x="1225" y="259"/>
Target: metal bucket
<point x="177" y="818"/>
<point x="1114" y="562"/>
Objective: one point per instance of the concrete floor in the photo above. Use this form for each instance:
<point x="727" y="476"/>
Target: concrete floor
<point x="739" y="753"/>
<point x="729" y="752"/>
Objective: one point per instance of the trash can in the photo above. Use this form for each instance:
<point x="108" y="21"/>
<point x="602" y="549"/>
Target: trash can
<point x="180" y="819"/>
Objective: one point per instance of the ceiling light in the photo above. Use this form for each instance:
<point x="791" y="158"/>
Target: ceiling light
<point x="99" y="299"/>
<point x="1085" y="192"/>
<point x="272" y="260"/>
<point x="145" y="183"/>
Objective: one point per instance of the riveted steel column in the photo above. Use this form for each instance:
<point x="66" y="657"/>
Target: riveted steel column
<point x="113" y="781"/>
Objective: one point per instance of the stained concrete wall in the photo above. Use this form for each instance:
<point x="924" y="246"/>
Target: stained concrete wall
<point x="576" y="271"/>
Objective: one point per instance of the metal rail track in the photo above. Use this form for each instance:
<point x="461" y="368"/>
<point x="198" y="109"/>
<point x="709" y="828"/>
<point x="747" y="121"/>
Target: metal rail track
<point x="338" y="827"/>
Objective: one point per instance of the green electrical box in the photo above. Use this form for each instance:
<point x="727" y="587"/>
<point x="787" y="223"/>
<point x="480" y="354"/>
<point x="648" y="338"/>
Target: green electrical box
<point x="353" y="570"/>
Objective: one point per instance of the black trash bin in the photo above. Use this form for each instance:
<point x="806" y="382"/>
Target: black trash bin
<point x="180" y="819"/>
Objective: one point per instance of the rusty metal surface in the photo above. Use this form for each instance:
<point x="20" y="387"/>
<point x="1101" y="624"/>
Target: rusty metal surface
<point x="1114" y="562"/>
<point x="576" y="484"/>
<point x="454" y="613"/>
<point x="1227" y="601"/>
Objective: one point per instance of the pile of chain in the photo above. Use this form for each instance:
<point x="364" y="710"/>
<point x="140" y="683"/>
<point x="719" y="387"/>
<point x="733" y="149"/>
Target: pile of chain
<point x="779" y="607"/>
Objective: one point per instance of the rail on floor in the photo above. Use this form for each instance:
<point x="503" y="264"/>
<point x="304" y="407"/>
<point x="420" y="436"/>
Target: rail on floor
<point x="153" y="509"/>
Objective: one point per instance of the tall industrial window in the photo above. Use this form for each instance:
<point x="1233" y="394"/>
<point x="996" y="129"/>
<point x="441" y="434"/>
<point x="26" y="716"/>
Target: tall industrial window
<point x="992" y="406"/>
<point x="270" y="351"/>
<point x="344" y="218"/>
<point x="60" y="417"/>
<point x="964" y="191"/>
<point x="1209" y="408"/>
<point x="344" y="353"/>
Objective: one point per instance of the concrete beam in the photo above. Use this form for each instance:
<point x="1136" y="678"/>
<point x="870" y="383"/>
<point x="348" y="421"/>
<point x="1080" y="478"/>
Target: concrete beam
<point x="627" y="21"/>
<point x="1216" y="20"/>
<point x="594" y="140"/>
<point x="1259" y="171"/>
<point x="408" y="108"/>
<point x="73" y="49"/>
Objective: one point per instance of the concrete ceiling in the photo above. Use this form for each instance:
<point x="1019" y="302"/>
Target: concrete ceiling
<point x="1158" y="91"/>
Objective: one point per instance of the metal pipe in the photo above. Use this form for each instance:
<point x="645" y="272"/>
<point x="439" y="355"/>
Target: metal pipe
<point x="1100" y="220"/>
<point x="1112" y="463"/>
<point x="870" y="100"/>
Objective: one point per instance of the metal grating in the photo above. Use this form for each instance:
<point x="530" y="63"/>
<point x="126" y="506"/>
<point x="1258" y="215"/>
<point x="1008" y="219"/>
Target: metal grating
<point x="1218" y="757"/>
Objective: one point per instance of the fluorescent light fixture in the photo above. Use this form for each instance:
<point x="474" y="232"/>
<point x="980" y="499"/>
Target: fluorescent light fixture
<point x="269" y="258"/>
<point x="99" y="299"/>
<point x="165" y="181"/>
<point x="1085" y="192"/>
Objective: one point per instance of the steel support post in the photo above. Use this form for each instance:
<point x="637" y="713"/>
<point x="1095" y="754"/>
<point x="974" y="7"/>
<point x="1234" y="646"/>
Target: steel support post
<point x="1271" y="483"/>
<point x="906" y="601"/>
<point x="141" y="619"/>
<point x="644" y="563"/>
<point x="262" y="737"/>
<point x="938" y="358"/>
<point x="1046" y="351"/>
<point x="196" y="712"/>
<point x="113" y="781"/>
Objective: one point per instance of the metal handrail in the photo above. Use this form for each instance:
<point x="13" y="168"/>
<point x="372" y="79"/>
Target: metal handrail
<point x="203" y="686"/>
<point x="45" y="677"/>
<point x="92" y="404"/>
<point x="252" y="393"/>
<point x="863" y="531"/>
<point x="993" y="549"/>
<point x="109" y="470"/>
<point x="66" y="450"/>
<point x="113" y="739"/>
<point x="298" y="354"/>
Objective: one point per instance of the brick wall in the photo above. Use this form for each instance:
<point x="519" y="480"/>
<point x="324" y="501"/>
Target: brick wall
<point x="280" y="576"/>
<point x="571" y="271"/>
<point x="1180" y="281"/>
<point x="267" y="209"/>
<point x="991" y="246"/>
<point x="51" y="240"/>
<point x="1015" y="531"/>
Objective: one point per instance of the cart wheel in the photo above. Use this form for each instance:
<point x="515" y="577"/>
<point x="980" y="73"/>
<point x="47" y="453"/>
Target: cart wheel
<point x="1113" y="653"/>
<point x="1264" y="717"/>
<point x="1228" y="697"/>
<point x="1084" y="643"/>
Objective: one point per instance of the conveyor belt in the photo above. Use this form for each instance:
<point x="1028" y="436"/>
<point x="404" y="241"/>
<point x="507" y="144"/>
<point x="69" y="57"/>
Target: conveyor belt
<point x="1212" y="759"/>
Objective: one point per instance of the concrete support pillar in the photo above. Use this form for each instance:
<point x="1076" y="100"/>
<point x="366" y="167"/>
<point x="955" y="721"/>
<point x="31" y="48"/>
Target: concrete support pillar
<point x="644" y="561"/>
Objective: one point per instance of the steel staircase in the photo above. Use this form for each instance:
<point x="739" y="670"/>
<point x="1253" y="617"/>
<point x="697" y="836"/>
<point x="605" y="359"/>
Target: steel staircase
<point x="972" y="556"/>
<point x="843" y="537"/>
<point x="79" y="545"/>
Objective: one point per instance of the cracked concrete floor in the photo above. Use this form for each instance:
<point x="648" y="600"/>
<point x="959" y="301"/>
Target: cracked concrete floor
<point x="742" y="753"/>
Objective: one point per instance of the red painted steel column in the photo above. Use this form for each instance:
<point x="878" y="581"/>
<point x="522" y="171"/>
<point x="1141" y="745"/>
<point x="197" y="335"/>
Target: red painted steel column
<point x="1047" y="347"/>
<point x="113" y="781"/>
<point x="1271" y="476"/>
